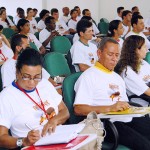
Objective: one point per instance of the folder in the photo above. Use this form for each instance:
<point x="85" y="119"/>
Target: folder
<point x="62" y="134"/>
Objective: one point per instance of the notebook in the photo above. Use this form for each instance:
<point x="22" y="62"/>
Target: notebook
<point x="62" y="134"/>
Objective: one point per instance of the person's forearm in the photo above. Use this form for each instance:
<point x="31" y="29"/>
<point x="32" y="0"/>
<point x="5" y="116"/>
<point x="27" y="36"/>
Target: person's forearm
<point x="83" y="67"/>
<point x="83" y="110"/>
<point x="8" y="141"/>
<point x="62" y="116"/>
<point x="47" y="41"/>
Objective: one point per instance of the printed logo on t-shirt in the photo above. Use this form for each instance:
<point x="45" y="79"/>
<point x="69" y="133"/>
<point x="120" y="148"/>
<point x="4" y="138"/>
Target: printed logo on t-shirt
<point x="114" y="91"/>
<point x="91" y="58"/>
<point x="46" y="103"/>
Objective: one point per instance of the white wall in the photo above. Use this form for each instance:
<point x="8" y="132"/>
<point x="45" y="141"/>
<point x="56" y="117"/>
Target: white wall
<point x="108" y="8"/>
<point x="99" y="8"/>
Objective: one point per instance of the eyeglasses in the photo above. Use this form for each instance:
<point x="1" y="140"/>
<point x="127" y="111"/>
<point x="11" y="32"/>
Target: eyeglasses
<point x="36" y="79"/>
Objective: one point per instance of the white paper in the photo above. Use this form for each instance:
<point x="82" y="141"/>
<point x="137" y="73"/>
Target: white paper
<point x="62" y="134"/>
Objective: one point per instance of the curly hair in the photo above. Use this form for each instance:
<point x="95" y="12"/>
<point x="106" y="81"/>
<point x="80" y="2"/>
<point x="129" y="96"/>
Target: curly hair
<point x="129" y="56"/>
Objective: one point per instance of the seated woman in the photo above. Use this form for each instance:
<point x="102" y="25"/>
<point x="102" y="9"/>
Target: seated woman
<point x="24" y="28"/>
<point x="6" y="22"/>
<point x="29" y="102"/>
<point x="115" y="31"/>
<point x="134" y="70"/>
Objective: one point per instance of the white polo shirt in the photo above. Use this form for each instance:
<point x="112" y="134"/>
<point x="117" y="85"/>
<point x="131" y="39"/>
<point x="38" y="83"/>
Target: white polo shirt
<point x="139" y="34"/>
<point x="17" y="109"/>
<point x="8" y="72"/>
<point x="41" y="25"/>
<point x="83" y="54"/>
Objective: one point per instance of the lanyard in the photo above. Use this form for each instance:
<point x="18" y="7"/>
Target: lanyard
<point x="4" y="58"/>
<point x="42" y="108"/>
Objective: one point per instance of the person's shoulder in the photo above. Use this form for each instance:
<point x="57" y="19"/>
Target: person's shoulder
<point x="92" y="45"/>
<point x="9" y="63"/>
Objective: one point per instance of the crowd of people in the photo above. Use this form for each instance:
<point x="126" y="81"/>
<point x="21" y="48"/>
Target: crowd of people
<point x="113" y="68"/>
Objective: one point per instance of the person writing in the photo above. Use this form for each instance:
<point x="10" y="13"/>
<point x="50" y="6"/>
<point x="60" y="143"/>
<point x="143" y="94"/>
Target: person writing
<point x="30" y="100"/>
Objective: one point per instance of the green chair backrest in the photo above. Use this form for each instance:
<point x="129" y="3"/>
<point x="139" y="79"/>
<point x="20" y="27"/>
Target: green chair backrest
<point x="32" y="45"/>
<point x="37" y="19"/>
<point x="103" y="27"/>
<point x="56" y="64"/>
<point x="8" y="32"/>
<point x="69" y="96"/>
<point x="104" y="20"/>
<point x="60" y="44"/>
<point x="37" y="35"/>
<point x="147" y="58"/>
<point x="11" y="18"/>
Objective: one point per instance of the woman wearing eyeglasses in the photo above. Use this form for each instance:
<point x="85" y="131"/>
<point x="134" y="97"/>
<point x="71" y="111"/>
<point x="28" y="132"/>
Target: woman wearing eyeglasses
<point x="28" y="103"/>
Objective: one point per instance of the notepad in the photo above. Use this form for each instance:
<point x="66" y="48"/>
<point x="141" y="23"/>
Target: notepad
<point x="62" y="134"/>
<point x="132" y="110"/>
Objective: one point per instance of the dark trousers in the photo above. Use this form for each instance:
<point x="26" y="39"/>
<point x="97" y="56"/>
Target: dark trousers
<point x="135" y="134"/>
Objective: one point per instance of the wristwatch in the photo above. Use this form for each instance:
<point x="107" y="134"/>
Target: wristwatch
<point x="19" y="142"/>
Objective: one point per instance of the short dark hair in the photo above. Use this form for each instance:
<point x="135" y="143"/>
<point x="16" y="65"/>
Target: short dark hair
<point x="28" y="9"/>
<point x="125" y="12"/>
<point x="29" y="57"/>
<point x="84" y="10"/>
<point x="48" y="19"/>
<point x="34" y="9"/>
<point x="1" y="27"/>
<point x="72" y="10"/>
<point x="104" y="41"/>
<point x="16" y="40"/>
<point x="76" y="7"/>
<point x="119" y="9"/>
<point x="54" y="10"/>
<point x="87" y="17"/>
<point x="82" y="25"/>
<point x="134" y="19"/>
<point x="43" y="13"/>
<point x="4" y="8"/>
<point x="20" y="10"/>
<point x="134" y="8"/>
<point x="20" y="23"/>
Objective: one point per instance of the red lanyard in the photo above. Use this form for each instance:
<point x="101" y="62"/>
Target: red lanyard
<point x="4" y="58"/>
<point x="42" y="108"/>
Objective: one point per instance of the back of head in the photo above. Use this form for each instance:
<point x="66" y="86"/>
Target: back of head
<point x="43" y="13"/>
<point x="54" y="10"/>
<point x="16" y="40"/>
<point x="104" y="42"/>
<point x="21" y="23"/>
<point x="29" y="57"/>
<point x="125" y="12"/>
<point x="84" y="10"/>
<point x="135" y="18"/>
<point x="82" y="25"/>
<point x="113" y="25"/>
<point x="129" y="56"/>
<point x="87" y="18"/>
<point x="119" y="9"/>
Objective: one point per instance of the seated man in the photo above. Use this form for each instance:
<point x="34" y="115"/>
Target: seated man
<point x="19" y="42"/>
<point x="29" y="102"/>
<point x="102" y="90"/>
<point x="83" y="52"/>
<point x="138" y="27"/>
<point x="46" y="35"/>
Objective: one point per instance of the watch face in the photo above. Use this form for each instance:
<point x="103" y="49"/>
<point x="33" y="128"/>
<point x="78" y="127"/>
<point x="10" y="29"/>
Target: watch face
<point x="19" y="142"/>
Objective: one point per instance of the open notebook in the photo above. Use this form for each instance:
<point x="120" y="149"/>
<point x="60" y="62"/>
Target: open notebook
<point x="62" y="134"/>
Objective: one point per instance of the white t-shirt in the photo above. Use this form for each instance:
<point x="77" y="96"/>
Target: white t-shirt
<point x="32" y="38"/>
<point x="8" y="72"/>
<point x="126" y="28"/>
<point x="72" y="24"/>
<point x="41" y="25"/>
<point x="120" y="42"/>
<point x="136" y="82"/>
<point x="65" y="18"/>
<point x="95" y="29"/>
<point x="4" y="24"/>
<point x="16" y="19"/>
<point x="118" y="18"/>
<point x="95" y="87"/>
<point x="17" y="109"/>
<point x="83" y="54"/>
<point x="33" y="25"/>
<point x="43" y="35"/>
<point x="147" y="22"/>
<point x="140" y="34"/>
<point x="7" y="53"/>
